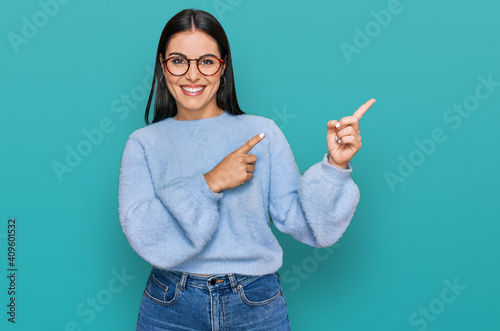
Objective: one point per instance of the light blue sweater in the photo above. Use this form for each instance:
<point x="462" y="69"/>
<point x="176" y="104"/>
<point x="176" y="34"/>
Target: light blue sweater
<point x="173" y="220"/>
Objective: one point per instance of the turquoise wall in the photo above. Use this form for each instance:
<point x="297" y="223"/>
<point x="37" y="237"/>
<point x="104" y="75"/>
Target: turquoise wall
<point x="422" y="251"/>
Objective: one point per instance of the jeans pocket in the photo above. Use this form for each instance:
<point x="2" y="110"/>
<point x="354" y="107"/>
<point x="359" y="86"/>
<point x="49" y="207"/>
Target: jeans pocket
<point x="161" y="290"/>
<point x="261" y="291"/>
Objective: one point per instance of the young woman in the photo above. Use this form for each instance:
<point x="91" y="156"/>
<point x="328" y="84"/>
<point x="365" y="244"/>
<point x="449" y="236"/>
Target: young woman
<point x="200" y="185"/>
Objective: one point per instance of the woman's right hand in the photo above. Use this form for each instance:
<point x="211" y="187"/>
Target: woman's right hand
<point x="235" y="169"/>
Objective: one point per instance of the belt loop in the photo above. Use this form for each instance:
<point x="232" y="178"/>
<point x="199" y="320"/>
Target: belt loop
<point x="182" y="282"/>
<point x="234" y="285"/>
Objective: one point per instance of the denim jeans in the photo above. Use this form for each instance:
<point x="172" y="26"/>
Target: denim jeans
<point x="175" y="300"/>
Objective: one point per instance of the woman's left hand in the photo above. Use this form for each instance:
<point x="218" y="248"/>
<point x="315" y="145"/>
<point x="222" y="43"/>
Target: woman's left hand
<point x="343" y="137"/>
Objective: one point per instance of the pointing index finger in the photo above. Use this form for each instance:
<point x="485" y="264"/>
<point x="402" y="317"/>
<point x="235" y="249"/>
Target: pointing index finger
<point x="362" y="110"/>
<point x="246" y="147"/>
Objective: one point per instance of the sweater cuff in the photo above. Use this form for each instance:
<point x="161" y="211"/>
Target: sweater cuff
<point x="335" y="172"/>
<point x="208" y="197"/>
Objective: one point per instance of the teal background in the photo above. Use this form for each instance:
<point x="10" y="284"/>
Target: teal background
<point x="436" y="226"/>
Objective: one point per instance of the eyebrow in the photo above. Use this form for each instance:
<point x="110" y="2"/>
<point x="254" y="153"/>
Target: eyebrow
<point x="180" y="54"/>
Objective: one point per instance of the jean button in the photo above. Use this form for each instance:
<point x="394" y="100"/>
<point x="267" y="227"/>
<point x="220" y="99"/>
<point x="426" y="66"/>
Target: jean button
<point x="213" y="281"/>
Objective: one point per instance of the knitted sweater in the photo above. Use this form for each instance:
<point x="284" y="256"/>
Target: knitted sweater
<point x="174" y="221"/>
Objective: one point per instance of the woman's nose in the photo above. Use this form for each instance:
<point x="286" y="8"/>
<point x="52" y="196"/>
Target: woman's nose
<point x="193" y="74"/>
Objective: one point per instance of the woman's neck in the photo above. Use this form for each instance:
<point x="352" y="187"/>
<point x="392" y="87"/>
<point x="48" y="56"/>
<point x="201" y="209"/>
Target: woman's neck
<point x="188" y="115"/>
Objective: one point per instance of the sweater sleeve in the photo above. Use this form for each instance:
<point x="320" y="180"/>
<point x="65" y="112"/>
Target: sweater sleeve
<point x="167" y="225"/>
<point x="314" y="208"/>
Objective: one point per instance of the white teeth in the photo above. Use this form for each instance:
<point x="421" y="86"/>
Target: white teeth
<point x="192" y="90"/>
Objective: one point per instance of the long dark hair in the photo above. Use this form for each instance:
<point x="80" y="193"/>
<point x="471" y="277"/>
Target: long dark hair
<point x="165" y="105"/>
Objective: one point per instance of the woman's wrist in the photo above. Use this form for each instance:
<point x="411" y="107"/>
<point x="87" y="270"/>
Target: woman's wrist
<point x="211" y="185"/>
<point x="330" y="160"/>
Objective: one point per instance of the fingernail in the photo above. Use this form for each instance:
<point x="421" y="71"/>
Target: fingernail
<point x="331" y="122"/>
<point x="262" y="135"/>
<point x="338" y="141"/>
<point x="338" y="124"/>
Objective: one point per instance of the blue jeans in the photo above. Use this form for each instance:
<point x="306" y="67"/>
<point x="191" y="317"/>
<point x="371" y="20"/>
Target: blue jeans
<point x="175" y="300"/>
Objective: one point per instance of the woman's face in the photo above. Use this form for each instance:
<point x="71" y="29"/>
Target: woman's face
<point x="194" y="92"/>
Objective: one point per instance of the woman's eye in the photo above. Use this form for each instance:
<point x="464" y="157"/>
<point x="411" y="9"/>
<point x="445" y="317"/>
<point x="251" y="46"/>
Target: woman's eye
<point x="178" y="60"/>
<point x="207" y="62"/>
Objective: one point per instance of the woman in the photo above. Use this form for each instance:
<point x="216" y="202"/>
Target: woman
<point x="196" y="204"/>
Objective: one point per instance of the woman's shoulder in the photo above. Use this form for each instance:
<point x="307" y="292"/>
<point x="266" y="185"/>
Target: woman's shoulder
<point x="149" y="131"/>
<point x="257" y="119"/>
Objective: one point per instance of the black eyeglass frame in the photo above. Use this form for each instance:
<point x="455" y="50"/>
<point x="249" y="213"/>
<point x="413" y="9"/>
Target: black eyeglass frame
<point x="221" y="62"/>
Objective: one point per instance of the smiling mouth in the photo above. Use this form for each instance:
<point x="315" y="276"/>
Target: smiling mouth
<point x="193" y="89"/>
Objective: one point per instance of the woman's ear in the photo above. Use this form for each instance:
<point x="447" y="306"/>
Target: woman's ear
<point x="224" y="66"/>
<point x="161" y="61"/>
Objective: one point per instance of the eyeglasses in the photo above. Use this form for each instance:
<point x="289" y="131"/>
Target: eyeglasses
<point x="207" y="65"/>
